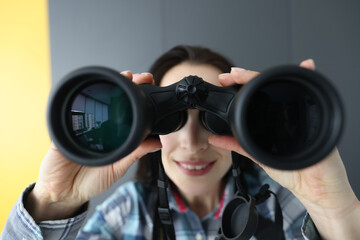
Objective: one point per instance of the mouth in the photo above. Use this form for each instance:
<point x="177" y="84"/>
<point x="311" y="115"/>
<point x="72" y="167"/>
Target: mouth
<point x="195" y="168"/>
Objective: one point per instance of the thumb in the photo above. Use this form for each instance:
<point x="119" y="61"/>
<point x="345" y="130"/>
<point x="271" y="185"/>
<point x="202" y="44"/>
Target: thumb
<point x="228" y="143"/>
<point x="231" y="144"/>
<point x="149" y="145"/>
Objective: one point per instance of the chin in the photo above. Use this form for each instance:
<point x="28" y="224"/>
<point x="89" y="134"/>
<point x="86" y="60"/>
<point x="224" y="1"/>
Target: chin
<point x="196" y="187"/>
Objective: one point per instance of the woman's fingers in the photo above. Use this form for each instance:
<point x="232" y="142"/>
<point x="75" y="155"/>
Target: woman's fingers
<point x="149" y="145"/>
<point x="228" y="143"/>
<point x="141" y="78"/>
<point x="243" y="76"/>
<point x="127" y="74"/>
<point x="237" y="76"/>
<point x="231" y="144"/>
<point x="309" y="64"/>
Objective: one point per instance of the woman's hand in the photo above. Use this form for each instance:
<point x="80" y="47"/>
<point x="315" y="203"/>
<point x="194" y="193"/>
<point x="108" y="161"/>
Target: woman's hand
<point x="323" y="188"/>
<point x="64" y="186"/>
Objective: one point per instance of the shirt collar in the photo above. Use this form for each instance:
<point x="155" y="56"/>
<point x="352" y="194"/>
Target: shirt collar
<point x="177" y="204"/>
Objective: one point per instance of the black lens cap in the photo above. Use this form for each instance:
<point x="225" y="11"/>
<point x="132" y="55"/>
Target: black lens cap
<point x="240" y="219"/>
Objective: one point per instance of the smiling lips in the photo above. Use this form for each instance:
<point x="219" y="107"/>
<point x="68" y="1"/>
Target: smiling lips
<point x="195" y="168"/>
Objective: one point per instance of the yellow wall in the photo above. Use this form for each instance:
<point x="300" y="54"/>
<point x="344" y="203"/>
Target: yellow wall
<point x="24" y="87"/>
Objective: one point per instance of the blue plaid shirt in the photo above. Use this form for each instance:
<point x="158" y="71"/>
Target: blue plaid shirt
<point x="128" y="214"/>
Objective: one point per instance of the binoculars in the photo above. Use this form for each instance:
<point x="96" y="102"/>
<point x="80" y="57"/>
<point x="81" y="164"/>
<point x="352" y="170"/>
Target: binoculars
<point x="287" y="117"/>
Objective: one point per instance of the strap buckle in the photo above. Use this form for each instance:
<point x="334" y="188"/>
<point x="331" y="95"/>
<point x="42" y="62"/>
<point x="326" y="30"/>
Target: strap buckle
<point x="165" y="216"/>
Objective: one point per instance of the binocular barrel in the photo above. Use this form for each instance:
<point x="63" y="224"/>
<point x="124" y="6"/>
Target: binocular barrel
<point x="287" y="117"/>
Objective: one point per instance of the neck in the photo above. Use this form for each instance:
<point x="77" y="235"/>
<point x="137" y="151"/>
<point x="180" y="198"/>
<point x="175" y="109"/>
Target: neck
<point x="204" y="203"/>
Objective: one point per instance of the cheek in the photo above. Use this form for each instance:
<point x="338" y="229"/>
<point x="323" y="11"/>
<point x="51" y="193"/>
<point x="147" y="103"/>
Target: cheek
<point x="227" y="158"/>
<point x="226" y="161"/>
<point x="168" y="142"/>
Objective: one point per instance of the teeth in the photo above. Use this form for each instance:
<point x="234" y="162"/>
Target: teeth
<point x="191" y="167"/>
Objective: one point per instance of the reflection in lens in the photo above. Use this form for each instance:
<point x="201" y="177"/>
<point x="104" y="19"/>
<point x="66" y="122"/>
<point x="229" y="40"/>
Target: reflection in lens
<point x="100" y="117"/>
<point x="284" y="117"/>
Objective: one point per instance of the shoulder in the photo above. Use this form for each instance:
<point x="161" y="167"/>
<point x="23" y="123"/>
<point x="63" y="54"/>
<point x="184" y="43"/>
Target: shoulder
<point x="128" y="194"/>
<point x="127" y="212"/>
<point x="131" y="199"/>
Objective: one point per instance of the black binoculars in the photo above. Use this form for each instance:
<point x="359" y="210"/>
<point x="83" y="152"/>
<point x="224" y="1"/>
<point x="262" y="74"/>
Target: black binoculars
<point x="287" y="117"/>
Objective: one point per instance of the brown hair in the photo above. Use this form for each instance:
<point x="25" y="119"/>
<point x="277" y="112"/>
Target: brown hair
<point x="147" y="171"/>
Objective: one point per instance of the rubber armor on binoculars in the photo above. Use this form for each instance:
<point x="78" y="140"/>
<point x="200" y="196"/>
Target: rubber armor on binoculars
<point x="287" y="117"/>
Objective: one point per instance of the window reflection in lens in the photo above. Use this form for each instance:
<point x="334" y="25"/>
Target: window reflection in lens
<point x="101" y="117"/>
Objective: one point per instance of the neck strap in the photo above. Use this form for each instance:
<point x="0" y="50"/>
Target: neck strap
<point x="240" y="218"/>
<point x="163" y="213"/>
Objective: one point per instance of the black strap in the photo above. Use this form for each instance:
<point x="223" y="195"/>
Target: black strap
<point x="267" y="229"/>
<point x="236" y="172"/>
<point x="164" y="214"/>
<point x="158" y="230"/>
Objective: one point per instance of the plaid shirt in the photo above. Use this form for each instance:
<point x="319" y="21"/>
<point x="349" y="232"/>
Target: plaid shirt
<point x="128" y="214"/>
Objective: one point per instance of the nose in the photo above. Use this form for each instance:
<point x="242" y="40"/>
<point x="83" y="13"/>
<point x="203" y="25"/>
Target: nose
<point x="193" y="136"/>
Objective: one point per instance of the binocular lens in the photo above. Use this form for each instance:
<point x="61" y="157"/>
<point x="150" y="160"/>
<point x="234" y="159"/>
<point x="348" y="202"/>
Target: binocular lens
<point x="100" y="117"/>
<point x="284" y="117"/>
<point x="288" y="117"/>
<point x="96" y="116"/>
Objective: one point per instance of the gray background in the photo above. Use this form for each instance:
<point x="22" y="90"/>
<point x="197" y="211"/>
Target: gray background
<point x="129" y="35"/>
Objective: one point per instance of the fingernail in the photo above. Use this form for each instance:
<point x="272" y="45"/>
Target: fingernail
<point x="310" y="60"/>
<point x="146" y="74"/>
<point x="237" y="69"/>
<point x="224" y="74"/>
<point x="125" y="72"/>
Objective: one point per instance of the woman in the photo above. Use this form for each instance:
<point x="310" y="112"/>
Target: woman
<point x="197" y="164"/>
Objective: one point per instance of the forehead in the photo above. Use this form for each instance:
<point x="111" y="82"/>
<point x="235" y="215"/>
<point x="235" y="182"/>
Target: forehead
<point x="206" y="71"/>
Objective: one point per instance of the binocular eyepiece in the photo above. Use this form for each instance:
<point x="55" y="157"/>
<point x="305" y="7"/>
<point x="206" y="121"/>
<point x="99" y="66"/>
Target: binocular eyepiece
<point x="287" y="117"/>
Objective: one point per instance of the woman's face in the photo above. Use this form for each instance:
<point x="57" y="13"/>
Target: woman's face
<point x="195" y="166"/>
